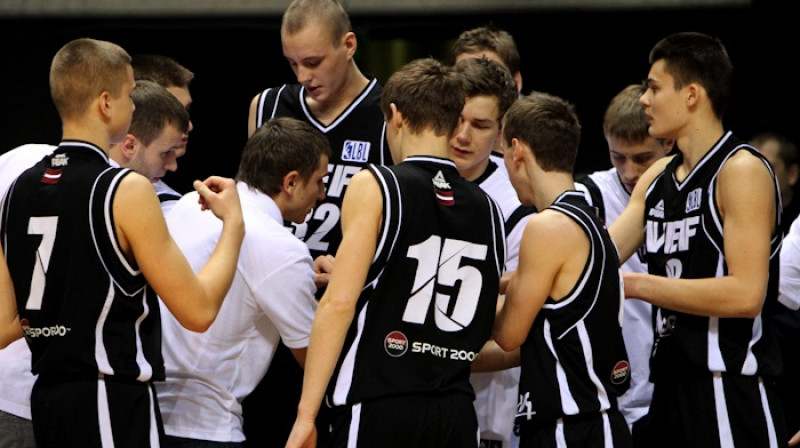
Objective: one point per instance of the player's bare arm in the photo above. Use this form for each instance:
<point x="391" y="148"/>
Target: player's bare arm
<point x="361" y="219"/>
<point x="627" y="231"/>
<point x="251" y="119"/>
<point x="746" y="197"/>
<point x="550" y="245"/>
<point x="193" y="299"/>
<point x="10" y="329"/>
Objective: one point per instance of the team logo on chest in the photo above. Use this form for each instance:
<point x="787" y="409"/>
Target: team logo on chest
<point x="355" y="151"/>
<point x="444" y="193"/>
<point x="694" y="200"/>
<point x="657" y="211"/>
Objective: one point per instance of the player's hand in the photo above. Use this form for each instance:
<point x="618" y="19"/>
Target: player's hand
<point x="323" y="266"/>
<point x="303" y="435"/>
<point x="504" y="279"/>
<point x="219" y="195"/>
<point x="795" y="440"/>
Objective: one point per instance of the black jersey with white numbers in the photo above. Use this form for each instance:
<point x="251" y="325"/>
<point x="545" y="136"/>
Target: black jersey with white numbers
<point x="357" y="137"/>
<point x="85" y="309"/>
<point x="574" y="360"/>
<point x="684" y="239"/>
<point x="429" y="299"/>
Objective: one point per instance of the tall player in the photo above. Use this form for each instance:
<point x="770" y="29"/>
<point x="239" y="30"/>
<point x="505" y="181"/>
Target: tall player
<point x="632" y="150"/>
<point x="334" y="96"/>
<point x="709" y="219"/>
<point x="413" y="295"/>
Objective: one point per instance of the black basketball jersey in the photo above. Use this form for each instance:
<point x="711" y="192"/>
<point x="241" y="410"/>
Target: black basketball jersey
<point x="684" y="239"/>
<point x="429" y="299"/>
<point x="85" y="309"/>
<point x="357" y="137"/>
<point x="574" y="360"/>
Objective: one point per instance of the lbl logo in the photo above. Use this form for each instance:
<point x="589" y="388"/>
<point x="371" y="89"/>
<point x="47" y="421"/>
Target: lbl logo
<point x="355" y="151"/>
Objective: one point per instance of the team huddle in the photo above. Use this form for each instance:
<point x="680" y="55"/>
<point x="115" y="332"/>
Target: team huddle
<point x="421" y="253"/>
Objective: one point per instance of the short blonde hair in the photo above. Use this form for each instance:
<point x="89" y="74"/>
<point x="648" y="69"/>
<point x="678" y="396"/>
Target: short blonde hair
<point x="83" y="69"/>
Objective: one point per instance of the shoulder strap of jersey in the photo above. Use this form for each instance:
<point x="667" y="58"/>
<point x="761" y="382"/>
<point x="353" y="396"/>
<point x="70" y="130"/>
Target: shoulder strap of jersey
<point x="595" y="198"/>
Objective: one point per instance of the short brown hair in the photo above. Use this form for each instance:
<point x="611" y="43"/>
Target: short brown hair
<point x="488" y="38"/>
<point x="429" y="95"/>
<point x="328" y="12"/>
<point x="624" y="117"/>
<point x="549" y="126"/>
<point x="279" y="146"/>
<point x="161" y="69"/>
<point x="156" y="107"/>
<point x="83" y="69"/>
<point x="481" y="76"/>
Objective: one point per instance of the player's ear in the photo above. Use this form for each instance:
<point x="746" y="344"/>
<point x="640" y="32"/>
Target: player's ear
<point x="128" y="145"/>
<point x="350" y="43"/>
<point x="290" y="181"/>
<point x="397" y="117"/>
<point x="104" y="104"/>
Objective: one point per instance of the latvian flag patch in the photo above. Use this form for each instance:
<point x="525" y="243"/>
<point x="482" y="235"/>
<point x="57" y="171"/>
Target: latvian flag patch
<point x="52" y="176"/>
<point x="444" y="193"/>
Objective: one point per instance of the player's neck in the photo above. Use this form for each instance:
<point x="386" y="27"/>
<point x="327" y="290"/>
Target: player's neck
<point x="424" y="144"/>
<point x="330" y="109"/>
<point x="698" y="140"/>
<point x="87" y="133"/>
<point x="549" y="185"/>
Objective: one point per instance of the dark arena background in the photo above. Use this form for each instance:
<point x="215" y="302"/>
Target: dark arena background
<point x="582" y="50"/>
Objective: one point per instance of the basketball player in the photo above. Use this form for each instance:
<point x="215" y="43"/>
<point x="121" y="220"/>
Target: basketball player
<point x="149" y="148"/>
<point x="176" y="79"/>
<point x="83" y="260"/>
<point x="412" y="297"/>
<point x="491" y="43"/>
<point x="632" y="151"/>
<point x="563" y="303"/>
<point x="334" y="96"/>
<point x="490" y="90"/>
<point x="710" y="223"/>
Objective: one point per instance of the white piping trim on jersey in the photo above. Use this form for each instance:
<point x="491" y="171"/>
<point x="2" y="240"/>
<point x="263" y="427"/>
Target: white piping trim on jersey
<point x="495" y="211"/>
<point x="260" y="108"/>
<point x="104" y="416"/>
<point x="577" y="289"/>
<point x="110" y="231"/>
<point x="84" y="145"/>
<point x="706" y="157"/>
<point x="721" y="405"/>
<point x="384" y="186"/>
<point x="355" y="425"/>
<point x="588" y="358"/>
<point x="580" y="286"/>
<point x="145" y="368"/>
<point x="154" y="438"/>
<point x="383" y="145"/>
<point x="312" y="119"/>
<point x="568" y="404"/>
<point x="344" y="380"/>
<point x="771" y="435"/>
<point x="430" y="159"/>
<point x="100" y="353"/>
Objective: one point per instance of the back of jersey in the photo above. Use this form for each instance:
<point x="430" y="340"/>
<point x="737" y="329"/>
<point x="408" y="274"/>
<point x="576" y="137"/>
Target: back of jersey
<point x="85" y="309"/>
<point x="429" y="301"/>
